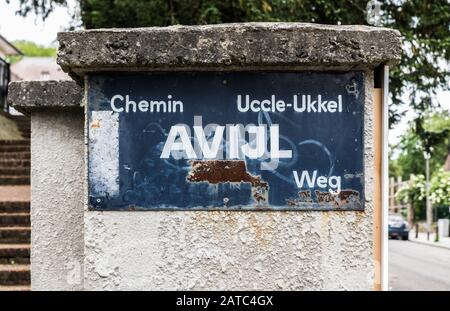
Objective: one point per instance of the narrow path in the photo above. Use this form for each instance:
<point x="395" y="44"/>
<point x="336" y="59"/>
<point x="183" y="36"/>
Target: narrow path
<point x="15" y="226"/>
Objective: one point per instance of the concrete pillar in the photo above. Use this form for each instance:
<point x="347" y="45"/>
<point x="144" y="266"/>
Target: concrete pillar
<point x="57" y="182"/>
<point x="200" y="250"/>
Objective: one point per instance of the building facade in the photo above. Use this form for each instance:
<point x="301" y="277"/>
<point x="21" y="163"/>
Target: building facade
<point x="37" y="69"/>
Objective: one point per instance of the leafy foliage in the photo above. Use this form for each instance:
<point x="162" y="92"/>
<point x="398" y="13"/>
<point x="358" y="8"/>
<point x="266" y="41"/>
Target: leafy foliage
<point x="410" y="149"/>
<point x="440" y="188"/>
<point x="31" y="49"/>
<point x="39" y="7"/>
<point x="414" y="192"/>
<point x="424" y="25"/>
<point x="410" y="164"/>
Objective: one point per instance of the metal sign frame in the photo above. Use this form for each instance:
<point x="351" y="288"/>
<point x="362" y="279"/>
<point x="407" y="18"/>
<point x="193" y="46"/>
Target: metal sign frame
<point x="127" y="169"/>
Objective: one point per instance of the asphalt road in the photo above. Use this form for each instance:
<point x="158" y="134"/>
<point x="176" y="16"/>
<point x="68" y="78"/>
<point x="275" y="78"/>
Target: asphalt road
<point x="420" y="267"/>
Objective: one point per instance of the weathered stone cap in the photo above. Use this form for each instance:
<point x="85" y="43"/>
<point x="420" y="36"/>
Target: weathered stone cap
<point x="29" y="96"/>
<point x="228" y="46"/>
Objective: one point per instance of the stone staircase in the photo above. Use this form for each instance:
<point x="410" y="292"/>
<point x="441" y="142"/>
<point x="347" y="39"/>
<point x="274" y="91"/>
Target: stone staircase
<point x="15" y="229"/>
<point x="15" y="155"/>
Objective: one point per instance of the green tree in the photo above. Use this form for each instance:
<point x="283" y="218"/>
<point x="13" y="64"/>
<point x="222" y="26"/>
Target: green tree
<point x="410" y="162"/>
<point x="409" y="151"/>
<point x="414" y="192"/>
<point x="39" y="7"/>
<point x="32" y="49"/>
<point x="424" y="25"/>
<point x="440" y="188"/>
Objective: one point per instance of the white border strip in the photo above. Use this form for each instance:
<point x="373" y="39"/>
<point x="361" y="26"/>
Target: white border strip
<point x="385" y="181"/>
<point x="104" y="153"/>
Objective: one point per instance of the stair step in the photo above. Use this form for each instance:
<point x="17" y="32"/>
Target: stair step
<point x="15" y="288"/>
<point x="14" y="254"/>
<point x="14" y="148"/>
<point x="14" y="207"/>
<point x="15" y="180"/>
<point x="20" y="142"/>
<point x="14" y="219"/>
<point x="19" y="122"/>
<point x="18" y="117"/>
<point x="15" y="155"/>
<point x="14" y="171"/>
<point x="15" y="235"/>
<point x="14" y="162"/>
<point x="14" y="274"/>
<point x="22" y="122"/>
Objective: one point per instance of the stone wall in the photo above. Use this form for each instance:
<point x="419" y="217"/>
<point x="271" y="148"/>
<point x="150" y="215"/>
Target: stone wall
<point x="202" y="250"/>
<point x="57" y="181"/>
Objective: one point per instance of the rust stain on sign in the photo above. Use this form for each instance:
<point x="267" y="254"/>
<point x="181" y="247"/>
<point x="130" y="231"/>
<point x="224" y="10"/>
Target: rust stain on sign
<point x="228" y="171"/>
<point x="344" y="197"/>
<point x="95" y="124"/>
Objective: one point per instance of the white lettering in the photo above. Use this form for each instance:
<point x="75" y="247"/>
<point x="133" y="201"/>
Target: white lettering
<point x="332" y="105"/>
<point x="239" y="104"/>
<point x="333" y="182"/>
<point x="185" y="144"/>
<point x="120" y="103"/>
<point x="322" y="181"/>
<point x="179" y="140"/>
<point x="129" y="103"/>
<point x="233" y="140"/>
<point x="209" y="152"/>
<point x="257" y="148"/>
<point x="275" y="152"/>
<point x="113" y="105"/>
<point x="305" y="175"/>
<point x="143" y="105"/>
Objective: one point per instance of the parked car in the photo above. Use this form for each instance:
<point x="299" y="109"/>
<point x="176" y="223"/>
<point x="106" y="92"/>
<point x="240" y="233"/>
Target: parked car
<point x="398" y="227"/>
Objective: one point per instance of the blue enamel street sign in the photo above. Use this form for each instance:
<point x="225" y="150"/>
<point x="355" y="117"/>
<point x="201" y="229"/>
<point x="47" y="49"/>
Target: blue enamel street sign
<point x="226" y="141"/>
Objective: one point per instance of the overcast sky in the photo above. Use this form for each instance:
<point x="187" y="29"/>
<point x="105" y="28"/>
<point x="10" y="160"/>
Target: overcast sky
<point x="14" y="27"/>
<point x="31" y="28"/>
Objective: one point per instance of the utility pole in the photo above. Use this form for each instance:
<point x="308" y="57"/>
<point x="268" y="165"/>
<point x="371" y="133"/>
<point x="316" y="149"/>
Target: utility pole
<point x="427" y="156"/>
<point x="429" y="139"/>
<point x="411" y="211"/>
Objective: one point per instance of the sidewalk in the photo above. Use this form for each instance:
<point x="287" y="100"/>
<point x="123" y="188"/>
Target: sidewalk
<point x="444" y="242"/>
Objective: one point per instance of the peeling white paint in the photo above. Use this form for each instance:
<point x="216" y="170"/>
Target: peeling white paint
<point x="235" y="250"/>
<point x="219" y="250"/>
